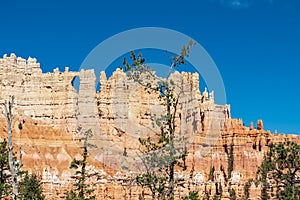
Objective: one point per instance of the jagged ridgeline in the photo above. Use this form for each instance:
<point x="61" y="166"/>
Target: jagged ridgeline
<point x="50" y="116"/>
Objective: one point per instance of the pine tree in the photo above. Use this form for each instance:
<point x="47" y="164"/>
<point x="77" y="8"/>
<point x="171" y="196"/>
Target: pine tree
<point x="280" y="170"/>
<point x="82" y="191"/>
<point x="31" y="188"/>
<point x="160" y="153"/>
<point x="192" y="196"/>
<point x="5" y="186"/>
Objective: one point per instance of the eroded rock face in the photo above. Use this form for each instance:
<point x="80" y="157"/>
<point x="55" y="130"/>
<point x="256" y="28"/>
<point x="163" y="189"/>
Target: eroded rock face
<point x="53" y="115"/>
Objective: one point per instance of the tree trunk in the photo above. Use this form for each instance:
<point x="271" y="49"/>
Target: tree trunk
<point x="13" y="166"/>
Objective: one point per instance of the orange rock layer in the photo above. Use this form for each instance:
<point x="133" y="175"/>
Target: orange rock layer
<point x="48" y="153"/>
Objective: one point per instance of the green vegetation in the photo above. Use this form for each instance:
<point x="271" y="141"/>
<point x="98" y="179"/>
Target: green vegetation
<point x="160" y="153"/>
<point x="82" y="190"/>
<point x="216" y="197"/>
<point x="5" y="186"/>
<point x="192" y="196"/>
<point x="232" y="194"/>
<point x="281" y="170"/>
<point x="247" y="188"/>
<point x="31" y="188"/>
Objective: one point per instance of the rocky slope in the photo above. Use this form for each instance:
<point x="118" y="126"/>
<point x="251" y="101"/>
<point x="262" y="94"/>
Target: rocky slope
<point x="53" y="115"/>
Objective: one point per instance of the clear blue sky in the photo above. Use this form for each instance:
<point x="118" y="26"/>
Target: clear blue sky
<point x="255" y="43"/>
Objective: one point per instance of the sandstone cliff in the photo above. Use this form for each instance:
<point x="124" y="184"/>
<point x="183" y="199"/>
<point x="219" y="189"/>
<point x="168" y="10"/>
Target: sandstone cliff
<point x="53" y="115"/>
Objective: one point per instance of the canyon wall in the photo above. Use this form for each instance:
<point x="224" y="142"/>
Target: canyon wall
<point x="53" y="116"/>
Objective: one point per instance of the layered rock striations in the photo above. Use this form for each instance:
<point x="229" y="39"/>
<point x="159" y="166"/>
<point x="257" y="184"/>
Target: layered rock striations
<point x="52" y="116"/>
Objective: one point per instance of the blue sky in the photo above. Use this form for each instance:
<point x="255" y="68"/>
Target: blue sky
<point x="254" y="43"/>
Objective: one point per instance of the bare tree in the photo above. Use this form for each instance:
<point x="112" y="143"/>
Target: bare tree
<point x="14" y="164"/>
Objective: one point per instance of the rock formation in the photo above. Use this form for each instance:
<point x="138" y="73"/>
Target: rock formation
<point x="53" y="115"/>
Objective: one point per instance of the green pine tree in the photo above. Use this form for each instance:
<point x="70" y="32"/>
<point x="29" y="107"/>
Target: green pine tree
<point x="192" y="196"/>
<point x="30" y="188"/>
<point x="160" y="153"/>
<point x="82" y="190"/>
<point x="5" y="186"/>
<point x="280" y="170"/>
